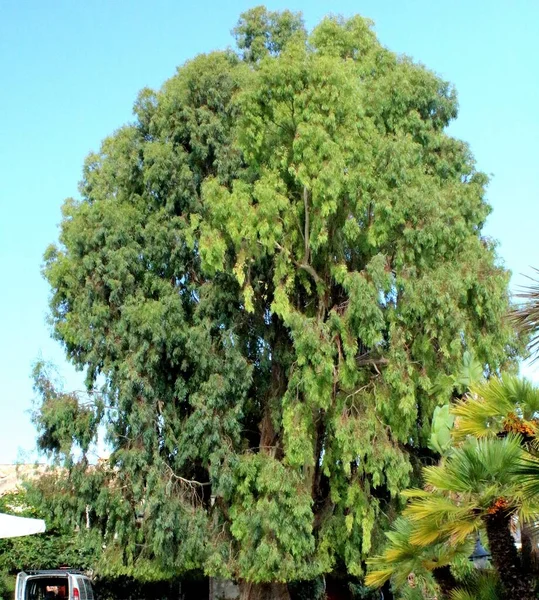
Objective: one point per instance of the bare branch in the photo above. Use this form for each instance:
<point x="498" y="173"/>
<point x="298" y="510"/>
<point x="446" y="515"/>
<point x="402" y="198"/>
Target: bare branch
<point x="365" y="360"/>
<point x="189" y="482"/>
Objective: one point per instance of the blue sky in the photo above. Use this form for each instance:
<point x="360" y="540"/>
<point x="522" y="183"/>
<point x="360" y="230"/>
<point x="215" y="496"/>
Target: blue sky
<point x="70" y="72"/>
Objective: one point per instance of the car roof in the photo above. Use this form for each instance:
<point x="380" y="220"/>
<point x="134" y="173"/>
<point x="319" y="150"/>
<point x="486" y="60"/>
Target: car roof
<point x="54" y="572"/>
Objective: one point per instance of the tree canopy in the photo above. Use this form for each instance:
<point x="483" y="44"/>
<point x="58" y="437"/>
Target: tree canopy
<point x="265" y="278"/>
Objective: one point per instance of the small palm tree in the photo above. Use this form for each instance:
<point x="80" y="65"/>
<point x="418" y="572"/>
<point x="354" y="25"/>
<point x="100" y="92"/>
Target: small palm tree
<point x="401" y="557"/>
<point x="496" y="408"/>
<point x="475" y="488"/>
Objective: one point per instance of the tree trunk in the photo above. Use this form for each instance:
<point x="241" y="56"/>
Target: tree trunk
<point x="387" y="592"/>
<point x="516" y="584"/>
<point x="445" y="580"/>
<point x="529" y="551"/>
<point x="263" y="591"/>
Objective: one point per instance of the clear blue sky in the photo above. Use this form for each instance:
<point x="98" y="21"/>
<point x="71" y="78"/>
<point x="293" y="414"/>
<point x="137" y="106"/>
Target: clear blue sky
<point x="70" y="71"/>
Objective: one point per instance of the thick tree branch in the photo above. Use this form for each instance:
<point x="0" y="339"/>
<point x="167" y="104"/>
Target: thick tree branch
<point x="310" y="270"/>
<point x="302" y="265"/>
<point x="365" y="360"/>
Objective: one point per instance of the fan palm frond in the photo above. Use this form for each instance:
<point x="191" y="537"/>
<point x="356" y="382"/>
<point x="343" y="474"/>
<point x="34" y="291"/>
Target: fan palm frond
<point x="526" y="316"/>
<point x="460" y="491"/>
<point x="528" y="472"/>
<point x="470" y="372"/>
<point x="508" y="403"/>
<point x="402" y="557"/>
<point x="440" y="519"/>
<point x="476" y="465"/>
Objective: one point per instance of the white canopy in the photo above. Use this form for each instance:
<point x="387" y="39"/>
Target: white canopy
<point x="11" y="526"/>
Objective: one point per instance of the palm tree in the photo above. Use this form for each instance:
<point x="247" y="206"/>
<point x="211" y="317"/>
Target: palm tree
<point x="500" y="408"/>
<point x="526" y="319"/>
<point x="474" y="488"/>
<point x="496" y="408"/>
<point x="401" y="558"/>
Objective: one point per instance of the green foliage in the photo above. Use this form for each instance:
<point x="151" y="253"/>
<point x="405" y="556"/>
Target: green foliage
<point x="260" y="32"/>
<point x="307" y="590"/>
<point x="360" y="592"/>
<point x="265" y="274"/>
<point x="526" y="318"/>
<point x="67" y="423"/>
<point x="442" y="423"/>
<point x="470" y="373"/>
<point x="59" y="545"/>
<point x="480" y="585"/>
<point x="7" y="588"/>
<point x="528" y="469"/>
<point x="403" y="555"/>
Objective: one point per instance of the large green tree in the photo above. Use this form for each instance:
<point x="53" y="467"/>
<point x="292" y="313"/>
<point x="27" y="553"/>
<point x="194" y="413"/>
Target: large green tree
<point x="264" y="278"/>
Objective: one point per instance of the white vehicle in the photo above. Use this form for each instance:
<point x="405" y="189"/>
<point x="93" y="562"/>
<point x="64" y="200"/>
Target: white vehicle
<point x="57" y="584"/>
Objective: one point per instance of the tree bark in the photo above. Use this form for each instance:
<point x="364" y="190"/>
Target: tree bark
<point x="516" y="583"/>
<point x="263" y="591"/>
<point x="445" y="580"/>
<point x="529" y="551"/>
<point x="387" y="592"/>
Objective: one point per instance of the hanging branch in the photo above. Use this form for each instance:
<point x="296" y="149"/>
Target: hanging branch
<point x="306" y="226"/>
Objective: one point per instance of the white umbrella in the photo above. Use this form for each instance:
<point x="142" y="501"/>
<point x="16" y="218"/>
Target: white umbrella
<point x="11" y="526"/>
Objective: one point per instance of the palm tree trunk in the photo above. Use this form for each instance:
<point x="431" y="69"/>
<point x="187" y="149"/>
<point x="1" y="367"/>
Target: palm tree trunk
<point x="263" y="591"/>
<point x="445" y="580"/>
<point x="529" y="552"/>
<point x="516" y="583"/>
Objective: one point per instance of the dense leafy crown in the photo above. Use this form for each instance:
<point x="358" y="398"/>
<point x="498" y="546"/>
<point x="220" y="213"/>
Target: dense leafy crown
<point x="265" y="276"/>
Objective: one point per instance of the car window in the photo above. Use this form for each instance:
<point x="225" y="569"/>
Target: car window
<point x="34" y="591"/>
<point x="46" y="588"/>
<point x="89" y="590"/>
<point x="82" y="588"/>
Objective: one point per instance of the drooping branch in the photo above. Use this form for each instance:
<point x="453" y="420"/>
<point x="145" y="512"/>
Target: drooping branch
<point x="306" y="226"/>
